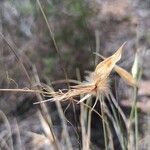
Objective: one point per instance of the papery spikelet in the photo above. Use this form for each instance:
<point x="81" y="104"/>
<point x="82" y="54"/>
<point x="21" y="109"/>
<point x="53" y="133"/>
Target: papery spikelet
<point x="105" y="67"/>
<point x="126" y="76"/>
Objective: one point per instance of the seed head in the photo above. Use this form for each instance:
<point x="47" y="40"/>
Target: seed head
<point x="97" y="83"/>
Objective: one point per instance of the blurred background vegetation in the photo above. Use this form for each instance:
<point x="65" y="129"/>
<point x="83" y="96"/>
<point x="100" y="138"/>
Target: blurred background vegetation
<point x="79" y="28"/>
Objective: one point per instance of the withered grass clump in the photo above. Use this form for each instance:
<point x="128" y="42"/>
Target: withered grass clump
<point x="96" y="84"/>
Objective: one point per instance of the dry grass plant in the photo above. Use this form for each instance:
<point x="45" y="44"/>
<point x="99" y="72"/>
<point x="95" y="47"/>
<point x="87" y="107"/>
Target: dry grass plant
<point x="96" y="85"/>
